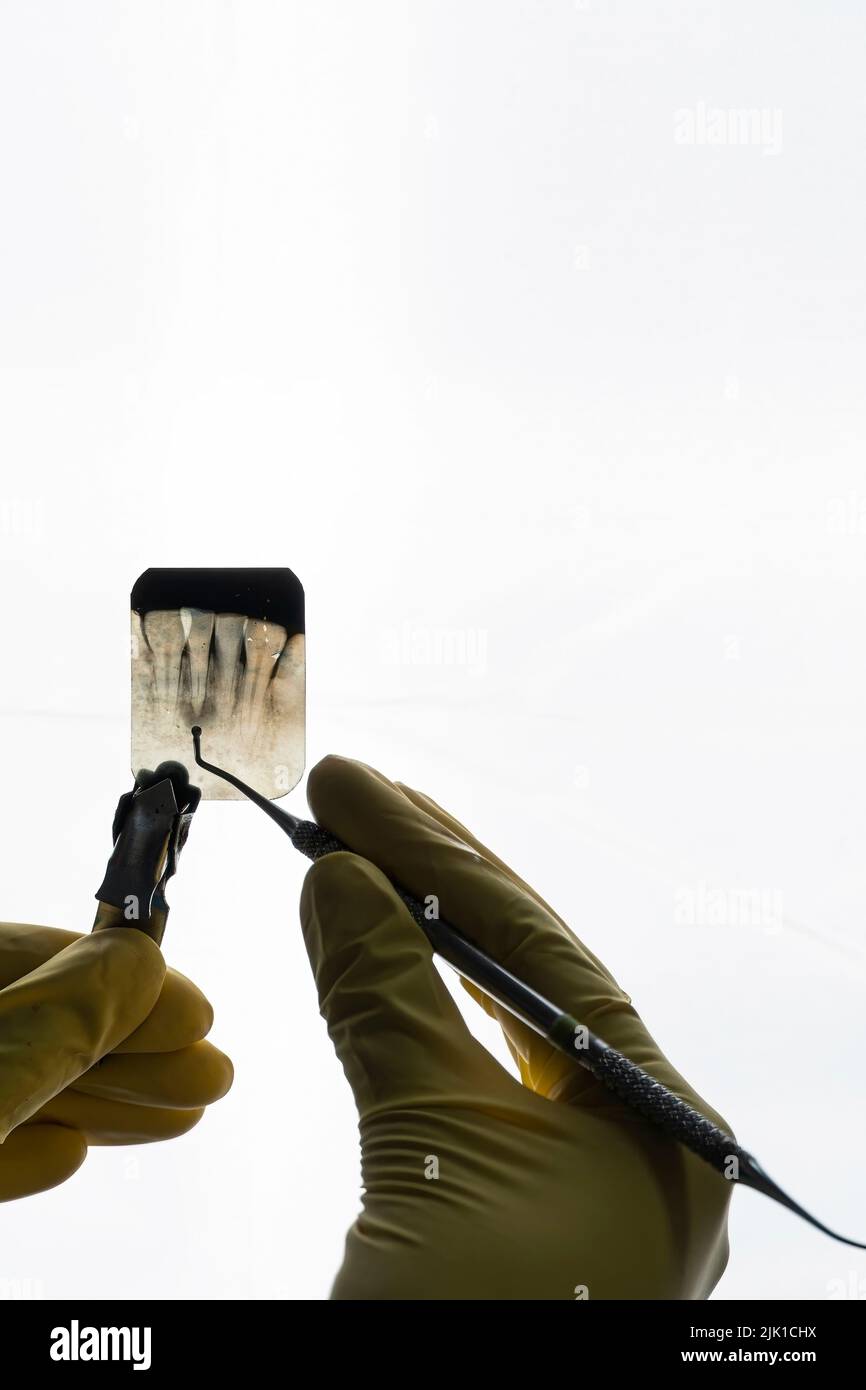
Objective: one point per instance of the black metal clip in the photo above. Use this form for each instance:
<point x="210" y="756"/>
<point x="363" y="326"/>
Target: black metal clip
<point x="151" y="825"/>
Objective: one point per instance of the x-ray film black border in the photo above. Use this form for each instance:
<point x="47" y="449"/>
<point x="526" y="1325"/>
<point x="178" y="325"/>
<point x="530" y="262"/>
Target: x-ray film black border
<point x="271" y="595"/>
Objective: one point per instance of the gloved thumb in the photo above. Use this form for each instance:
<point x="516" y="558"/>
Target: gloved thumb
<point x="63" y="1017"/>
<point x="396" y="1030"/>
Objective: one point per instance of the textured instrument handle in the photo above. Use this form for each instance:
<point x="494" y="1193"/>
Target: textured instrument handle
<point x="314" y="842"/>
<point x="674" y="1116"/>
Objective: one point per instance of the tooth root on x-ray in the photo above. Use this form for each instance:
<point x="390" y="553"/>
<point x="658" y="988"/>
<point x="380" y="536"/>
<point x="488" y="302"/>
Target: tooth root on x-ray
<point x="165" y="638"/>
<point x="200" y="627"/>
<point x="263" y="643"/>
<point x="228" y="645"/>
<point x="139" y="648"/>
<point x="287" y="686"/>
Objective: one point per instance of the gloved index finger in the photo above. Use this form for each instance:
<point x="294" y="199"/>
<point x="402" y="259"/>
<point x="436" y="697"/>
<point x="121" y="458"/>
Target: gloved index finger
<point x="475" y="893"/>
<point x="181" y="1016"/>
<point x="456" y="827"/>
<point x="23" y="947"/>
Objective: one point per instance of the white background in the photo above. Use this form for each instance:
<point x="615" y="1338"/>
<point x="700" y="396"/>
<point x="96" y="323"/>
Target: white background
<point x="429" y="303"/>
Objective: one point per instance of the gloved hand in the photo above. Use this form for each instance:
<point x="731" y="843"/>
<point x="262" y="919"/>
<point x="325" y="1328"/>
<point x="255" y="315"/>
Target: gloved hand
<point x="478" y="1186"/>
<point x="65" y="1002"/>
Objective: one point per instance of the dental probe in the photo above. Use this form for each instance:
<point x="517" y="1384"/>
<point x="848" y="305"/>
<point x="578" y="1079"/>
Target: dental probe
<point x="629" y="1082"/>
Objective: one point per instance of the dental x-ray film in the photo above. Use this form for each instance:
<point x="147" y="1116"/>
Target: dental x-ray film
<point x="222" y="649"/>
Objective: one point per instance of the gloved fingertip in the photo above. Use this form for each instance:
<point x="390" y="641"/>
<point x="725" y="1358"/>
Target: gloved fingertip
<point x="218" y="1077"/>
<point x="325" y="778"/>
<point x="181" y="1016"/>
<point x="336" y="782"/>
<point x="357" y="931"/>
<point x="333" y="879"/>
<point x="37" y="1158"/>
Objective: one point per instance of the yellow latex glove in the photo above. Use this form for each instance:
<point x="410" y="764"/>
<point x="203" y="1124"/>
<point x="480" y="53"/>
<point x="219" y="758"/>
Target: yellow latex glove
<point x="478" y="1186"/>
<point x="66" y="1001"/>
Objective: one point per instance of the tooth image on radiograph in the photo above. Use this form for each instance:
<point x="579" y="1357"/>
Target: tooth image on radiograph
<point x="240" y="677"/>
